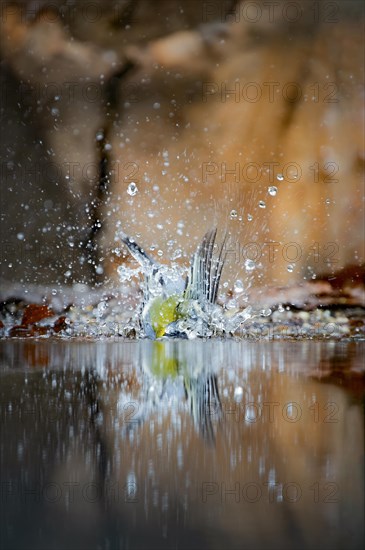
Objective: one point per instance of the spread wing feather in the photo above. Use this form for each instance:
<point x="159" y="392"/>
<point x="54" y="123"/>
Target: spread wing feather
<point x="205" y="270"/>
<point x="137" y="252"/>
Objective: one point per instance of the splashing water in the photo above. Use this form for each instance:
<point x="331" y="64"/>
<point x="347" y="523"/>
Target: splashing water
<point x="176" y="305"/>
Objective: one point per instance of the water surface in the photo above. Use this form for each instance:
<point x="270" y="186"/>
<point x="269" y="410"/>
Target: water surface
<point x="113" y="445"/>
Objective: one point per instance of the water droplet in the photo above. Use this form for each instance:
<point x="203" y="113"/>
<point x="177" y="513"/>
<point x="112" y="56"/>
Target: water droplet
<point x="238" y="393"/>
<point x="231" y="304"/>
<point x="156" y="105"/>
<point x="250" y="265"/>
<point x="280" y="177"/>
<point x="20" y="236"/>
<point x="233" y="214"/>
<point x="266" y="312"/>
<point x="159" y="253"/>
<point x="262" y="204"/>
<point x="290" y="268"/>
<point x="238" y="286"/>
<point x="272" y="190"/>
<point x="249" y="218"/>
<point x="132" y="189"/>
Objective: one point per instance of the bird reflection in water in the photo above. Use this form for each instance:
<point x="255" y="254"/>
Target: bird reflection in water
<point x="172" y="372"/>
<point x="173" y="376"/>
<point x="159" y="434"/>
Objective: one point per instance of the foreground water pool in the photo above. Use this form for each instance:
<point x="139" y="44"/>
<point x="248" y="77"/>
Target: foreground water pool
<point x="123" y="445"/>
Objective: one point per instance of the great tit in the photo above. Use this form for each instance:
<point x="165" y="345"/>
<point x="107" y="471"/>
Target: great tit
<point x="176" y="307"/>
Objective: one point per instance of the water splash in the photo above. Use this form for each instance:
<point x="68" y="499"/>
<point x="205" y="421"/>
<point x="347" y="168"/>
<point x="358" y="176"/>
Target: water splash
<point x="178" y="305"/>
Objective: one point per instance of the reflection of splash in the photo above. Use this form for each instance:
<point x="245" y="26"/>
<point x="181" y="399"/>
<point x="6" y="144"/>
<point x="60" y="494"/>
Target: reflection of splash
<point x="150" y="476"/>
<point x="172" y="372"/>
<point x="172" y="375"/>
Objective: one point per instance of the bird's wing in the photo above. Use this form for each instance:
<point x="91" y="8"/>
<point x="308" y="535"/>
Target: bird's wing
<point x="137" y="252"/>
<point x="216" y="272"/>
<point x="206" y="271"/>
<point x="149" y="266"/>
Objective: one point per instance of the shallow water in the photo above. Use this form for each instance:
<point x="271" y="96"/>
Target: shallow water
<point x="113" y="445"/>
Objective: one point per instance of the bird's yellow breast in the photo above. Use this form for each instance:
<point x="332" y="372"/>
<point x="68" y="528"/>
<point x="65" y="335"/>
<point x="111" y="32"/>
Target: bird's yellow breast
<point x="163" y="312"/>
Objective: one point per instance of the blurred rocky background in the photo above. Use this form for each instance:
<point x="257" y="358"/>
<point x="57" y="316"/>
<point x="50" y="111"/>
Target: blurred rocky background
<point x="167" y="117"/>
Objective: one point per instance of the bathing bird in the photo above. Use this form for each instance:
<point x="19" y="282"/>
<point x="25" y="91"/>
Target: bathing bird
<point x="174" y="306"/>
